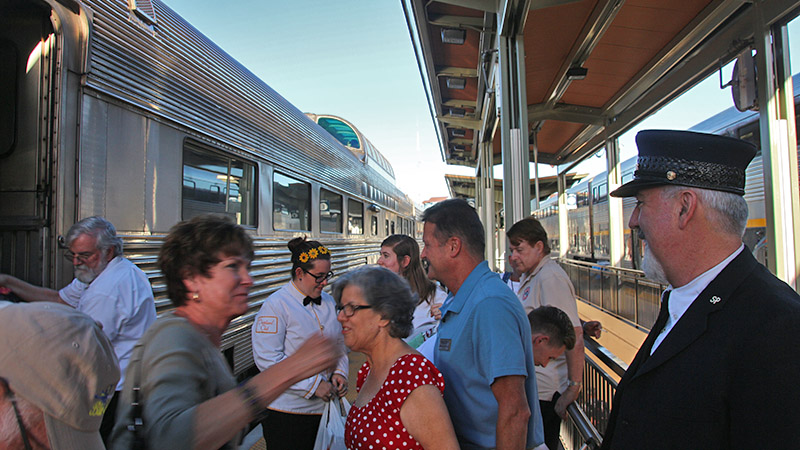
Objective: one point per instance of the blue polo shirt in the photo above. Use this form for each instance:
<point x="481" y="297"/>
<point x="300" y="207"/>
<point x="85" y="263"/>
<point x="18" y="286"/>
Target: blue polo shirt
<point x="484" y="335"/>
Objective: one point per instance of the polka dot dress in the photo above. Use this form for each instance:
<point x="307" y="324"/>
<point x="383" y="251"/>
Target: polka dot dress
<point x="377" y="424"/>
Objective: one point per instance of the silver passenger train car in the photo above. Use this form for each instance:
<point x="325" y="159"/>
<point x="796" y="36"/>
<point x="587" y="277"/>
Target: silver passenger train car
<point x="123" y="109"/>
<point x="587" y="200"/>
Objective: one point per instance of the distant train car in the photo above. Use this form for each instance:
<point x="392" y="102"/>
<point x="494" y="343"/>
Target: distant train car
<point x="349" y="136"/>
<point x="587" y="220"/>
<point x="123" y="109"/>
<point x="587" y="201"/>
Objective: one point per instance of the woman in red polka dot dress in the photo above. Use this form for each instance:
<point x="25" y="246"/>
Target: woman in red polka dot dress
<point x="399" y="403"/>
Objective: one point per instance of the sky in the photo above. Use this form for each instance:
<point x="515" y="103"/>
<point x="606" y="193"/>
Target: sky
<point x="348" y="58"/>
<point x="354" y="59"/>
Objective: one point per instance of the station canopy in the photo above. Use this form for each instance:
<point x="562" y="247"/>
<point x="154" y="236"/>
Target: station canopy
<point x="593" y="68"/>
<point x="463" y="186"/>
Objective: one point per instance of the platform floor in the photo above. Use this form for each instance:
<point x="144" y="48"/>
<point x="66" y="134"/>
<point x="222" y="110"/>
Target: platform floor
<point x="618" y="336"/>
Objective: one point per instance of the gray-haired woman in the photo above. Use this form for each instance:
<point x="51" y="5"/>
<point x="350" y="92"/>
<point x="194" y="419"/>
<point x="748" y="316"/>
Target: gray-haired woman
<point x="399" y="403"/>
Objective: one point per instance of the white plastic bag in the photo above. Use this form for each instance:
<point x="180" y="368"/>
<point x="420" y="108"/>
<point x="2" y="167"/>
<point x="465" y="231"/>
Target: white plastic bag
<point x="330" y="435"/>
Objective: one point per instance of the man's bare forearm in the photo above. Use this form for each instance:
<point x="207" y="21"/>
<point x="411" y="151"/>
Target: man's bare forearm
<point x="29" y="292"/>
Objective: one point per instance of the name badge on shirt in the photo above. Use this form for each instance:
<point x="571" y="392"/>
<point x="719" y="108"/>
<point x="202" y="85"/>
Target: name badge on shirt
<point x="444" y="345"/>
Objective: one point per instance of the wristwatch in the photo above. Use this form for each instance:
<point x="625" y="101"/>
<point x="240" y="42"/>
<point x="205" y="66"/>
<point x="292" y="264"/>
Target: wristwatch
<point x="571" y="383"/>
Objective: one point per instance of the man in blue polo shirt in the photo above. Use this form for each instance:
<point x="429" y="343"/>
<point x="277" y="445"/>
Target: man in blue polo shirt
<point x="483" y="348"/>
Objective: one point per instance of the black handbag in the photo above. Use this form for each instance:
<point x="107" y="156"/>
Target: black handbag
<point x="136" y="424"/>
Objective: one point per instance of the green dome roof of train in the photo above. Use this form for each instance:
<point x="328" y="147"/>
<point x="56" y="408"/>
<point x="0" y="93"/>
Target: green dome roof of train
<point x="349" y="136"/>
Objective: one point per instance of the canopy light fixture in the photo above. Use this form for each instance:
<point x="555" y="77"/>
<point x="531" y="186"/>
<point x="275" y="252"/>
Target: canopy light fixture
<point x="456" y="83"/>
<point x="576" y="73"/>
<point x="459" y="148"/>
<point x="454" y="36"/>
<point x="458" y="132"/>
<point x="457" y="112"/>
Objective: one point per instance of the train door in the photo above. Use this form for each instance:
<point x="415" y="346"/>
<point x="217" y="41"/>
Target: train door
<point x="28" y="50"/>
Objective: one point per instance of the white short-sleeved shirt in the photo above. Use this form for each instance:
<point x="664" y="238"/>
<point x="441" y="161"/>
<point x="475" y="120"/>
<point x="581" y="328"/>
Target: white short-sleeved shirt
<point x="121" y="300"/>
<point x="281" y="326"/>
<point x="549" y="285"/>
<point x="422" y="313"/>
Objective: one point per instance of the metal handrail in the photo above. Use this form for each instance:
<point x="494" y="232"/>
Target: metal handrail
<point x="589" y="413"/>
<point x="589" y="434"/>
<point x="631" y="297"/>
<point x="624" y="293"/>
<point x="605" y="356"/>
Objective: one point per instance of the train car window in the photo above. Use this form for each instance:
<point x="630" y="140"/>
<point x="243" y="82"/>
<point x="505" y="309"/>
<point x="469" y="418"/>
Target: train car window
<point x="582" y="198"/>
<point x="144" y="10"/>
<point x="374" y="226"/>
<point x="341" y="131"/>
<point x="355" y="217"/>
<point x="330" y="211"/>
<point x="751" y="133"/>
<point x="602" y="193"/>
<point x="8" y="91"/>
<point x="291" y="203"/>
<point x="216" y="183"/>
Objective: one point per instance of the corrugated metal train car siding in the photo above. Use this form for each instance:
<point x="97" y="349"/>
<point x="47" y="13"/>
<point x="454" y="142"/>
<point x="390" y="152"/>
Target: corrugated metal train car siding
<point x="270" y="271"/>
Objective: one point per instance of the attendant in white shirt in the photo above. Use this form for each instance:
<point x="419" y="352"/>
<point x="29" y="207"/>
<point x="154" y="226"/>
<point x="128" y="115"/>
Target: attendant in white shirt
<point x="400" y="254"/>
<point x="288" y="318"/>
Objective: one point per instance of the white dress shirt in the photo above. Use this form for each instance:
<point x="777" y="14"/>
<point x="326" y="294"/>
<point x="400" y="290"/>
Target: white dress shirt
<point x="121" y="300"/>
<point x="281" y="326"/>
<point x="680" y="299"/>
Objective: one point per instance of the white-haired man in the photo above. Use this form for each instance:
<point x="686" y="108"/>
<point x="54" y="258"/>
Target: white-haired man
<point x="58" y="372"/>
<point x="107" y="287"/>
<point x="715" y="371"/>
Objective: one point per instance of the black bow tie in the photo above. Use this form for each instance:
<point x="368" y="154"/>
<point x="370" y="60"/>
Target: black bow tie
<point x="308" y="300"/>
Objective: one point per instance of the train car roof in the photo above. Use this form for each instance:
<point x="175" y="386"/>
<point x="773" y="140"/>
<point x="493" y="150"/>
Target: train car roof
<point x="727" y="120"/>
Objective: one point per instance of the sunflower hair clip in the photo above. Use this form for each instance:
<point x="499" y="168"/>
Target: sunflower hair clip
<point x="313" y="253"/>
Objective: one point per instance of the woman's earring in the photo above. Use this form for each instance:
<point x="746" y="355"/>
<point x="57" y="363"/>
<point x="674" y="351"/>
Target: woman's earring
<point x="195" y="296"/>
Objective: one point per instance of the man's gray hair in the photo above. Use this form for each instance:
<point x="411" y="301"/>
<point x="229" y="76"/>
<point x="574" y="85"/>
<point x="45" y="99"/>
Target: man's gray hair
<point x="387" y="293"/>
<point x="727" y="210"/>
<point x="101" y="229"/>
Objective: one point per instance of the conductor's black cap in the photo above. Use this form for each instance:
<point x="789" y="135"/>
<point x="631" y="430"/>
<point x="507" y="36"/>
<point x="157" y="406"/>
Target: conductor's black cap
<point x="686" y="158"/>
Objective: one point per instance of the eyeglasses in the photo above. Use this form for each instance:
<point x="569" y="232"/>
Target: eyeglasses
<point x="13" y="400"/>
<point x="319" y="278"/>
<point x="82" y="257"/>
<point x="350" y="309"/>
